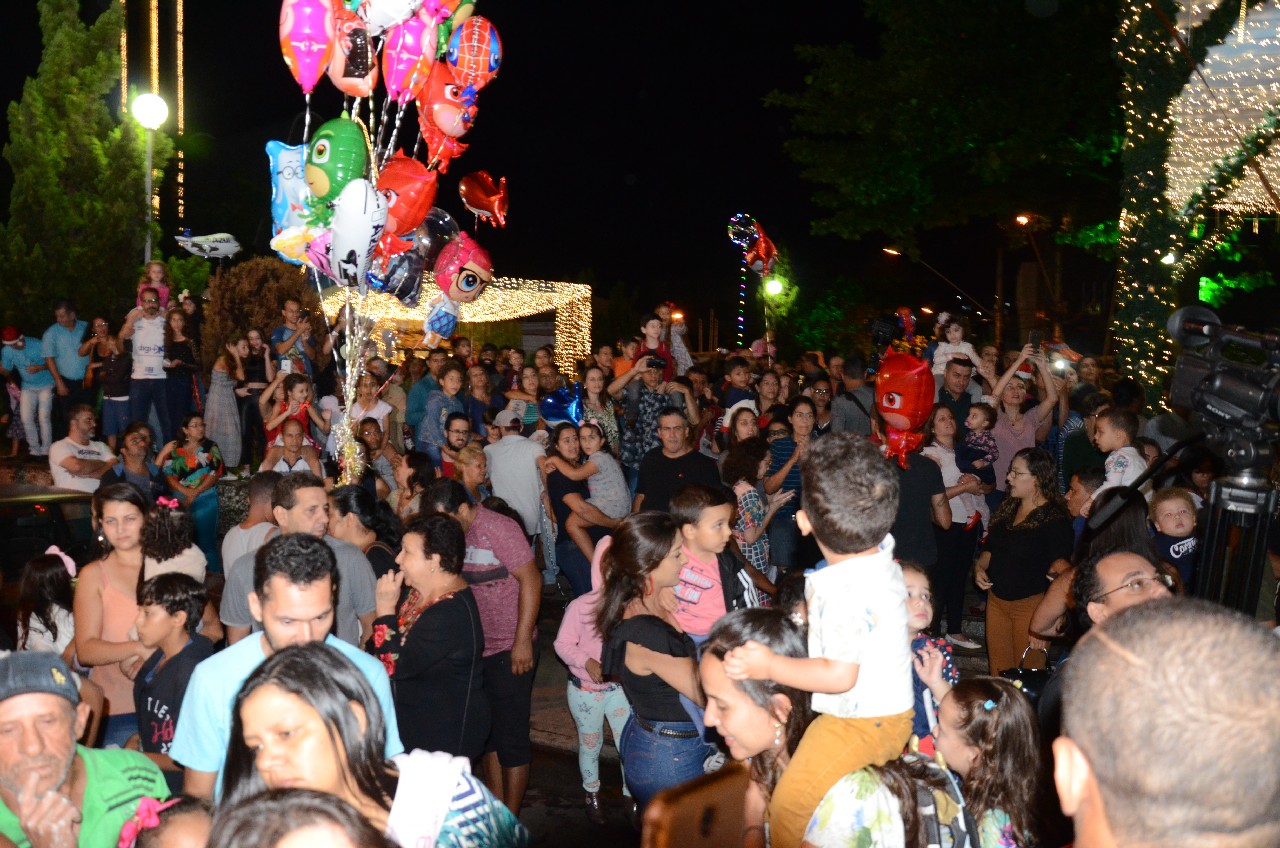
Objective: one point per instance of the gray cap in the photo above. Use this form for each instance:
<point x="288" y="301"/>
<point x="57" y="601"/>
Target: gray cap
<point x="28" y="672"/>
<point x="505" y="418"/>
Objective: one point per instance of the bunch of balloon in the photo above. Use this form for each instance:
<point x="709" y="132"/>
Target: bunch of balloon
<point x="760" y="255"/>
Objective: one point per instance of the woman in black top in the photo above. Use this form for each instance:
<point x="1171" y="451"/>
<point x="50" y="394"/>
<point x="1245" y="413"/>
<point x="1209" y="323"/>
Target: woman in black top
<point x="653" y="658"/>
<point x="179" y="368"/>
<point x="1030" y="530"/>
<point x="432" y="642"/>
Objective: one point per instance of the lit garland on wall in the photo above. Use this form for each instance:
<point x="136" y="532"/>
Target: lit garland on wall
<point x="179" y="25"/>
<point x="124" y="58"/>
<point x="505" y="299"/>
<point x="1160" y="243"/>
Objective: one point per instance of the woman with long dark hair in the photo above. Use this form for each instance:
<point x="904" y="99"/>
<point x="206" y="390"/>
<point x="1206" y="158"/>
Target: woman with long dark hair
<point x="430" y="640"/>
<point x="647" y="651"/>
<point x="106" y="606"/>
<point x="761" y="721"/>
<point x="414" y="473"/>
<point x="308" y="719"/>
<point x="1030" y="531"/>
<point x="358" y="518"/>
<point x="192" y="466"/>
<point x="599" y="406"/>
<point x="180" y="365"/>
<point x="744" y="466"/>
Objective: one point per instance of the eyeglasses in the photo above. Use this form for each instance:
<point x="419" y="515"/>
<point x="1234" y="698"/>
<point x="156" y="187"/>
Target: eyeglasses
<point x="459" y="432"/>
<point x="1139" y="585"/>
<point x="1016" y="473"/>
<point x="150" y="300"/>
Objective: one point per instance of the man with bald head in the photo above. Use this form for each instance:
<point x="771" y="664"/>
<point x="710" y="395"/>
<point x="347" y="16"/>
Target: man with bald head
<point x="1171" y="730"/>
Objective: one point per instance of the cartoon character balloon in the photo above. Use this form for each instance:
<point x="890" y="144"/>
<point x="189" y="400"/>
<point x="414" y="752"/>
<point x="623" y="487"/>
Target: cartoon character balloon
<point x="474" y="56"/>
<point x="409" y="189"/>
<point x="463" y="269"/>
<point x="904" y="396"/>
<point x="482" y="197"/>
<point x="442" y="320"/>
<point x="384" y="14"/>
<point x="338" y="155"/>
<point x="762" y="254"/>
<point x="289" y="194"/>
<point x="354" y="68"/>
<point x="306" y="39"/>
<point x="442" y="117"/>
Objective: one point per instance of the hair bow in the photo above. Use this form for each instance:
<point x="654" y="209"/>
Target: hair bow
<point x="172" y="503"/>
<point x="146" y="817"/>
<point x="54" y="550"/>
<point x="988" y="705"/>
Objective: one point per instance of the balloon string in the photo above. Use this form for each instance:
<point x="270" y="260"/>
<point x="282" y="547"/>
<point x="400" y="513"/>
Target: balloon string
<point x="306" y="120"/>
<point x="369" y="148"/>
<point x="382" y="122"/>
<point x="395" y="133"/>
<point x="417" y="143"/>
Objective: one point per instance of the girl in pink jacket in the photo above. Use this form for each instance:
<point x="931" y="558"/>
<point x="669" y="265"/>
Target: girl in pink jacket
<point x="591" y="698"/>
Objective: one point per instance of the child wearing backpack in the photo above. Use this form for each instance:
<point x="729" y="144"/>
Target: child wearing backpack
<point x="859" y="664"/>
<point x="988" y="735"/>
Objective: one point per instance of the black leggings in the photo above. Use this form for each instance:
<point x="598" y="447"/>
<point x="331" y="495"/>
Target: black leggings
<point x="950" y="575"/>
<point x="252" y="436"/>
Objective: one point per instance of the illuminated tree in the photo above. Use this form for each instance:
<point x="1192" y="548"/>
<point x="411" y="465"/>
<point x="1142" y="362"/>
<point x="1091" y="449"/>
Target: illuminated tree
<point x="77" y="213"/>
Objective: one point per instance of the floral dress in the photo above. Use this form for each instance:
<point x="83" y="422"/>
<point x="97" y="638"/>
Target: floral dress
<point x="751" y="513"/>
<point x="191" y="466"/>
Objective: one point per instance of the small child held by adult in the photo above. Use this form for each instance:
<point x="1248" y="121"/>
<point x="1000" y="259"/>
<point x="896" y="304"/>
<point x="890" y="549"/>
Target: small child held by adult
<point x="1113" y="435"/>
<point x="933" y="672"/>
<point x="977" y="455"/>
<point x="1173" y="515"/>
<point x="170" y="608"/>
<point x="859" y="664"/>
<point x="605" y="482"/>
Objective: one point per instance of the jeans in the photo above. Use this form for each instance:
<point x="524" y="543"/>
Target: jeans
<point x="116" y="729"/>
<point x="179" y="396"/>
<point x="573" y="565"/>
<point x="784" y="542"/>
<point x="254" y="442"/>
<point x="38" y="403"/>
<point x="653" y="762"/>
<point x="144" y="395"/>
<point x="950" y="574"/>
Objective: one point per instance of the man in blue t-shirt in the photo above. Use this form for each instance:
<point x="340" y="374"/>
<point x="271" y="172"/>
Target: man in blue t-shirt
<point x="294" y="597"/>
<point x="292" y="341"/>
<point x="60" y="346"/>
<point x="23" y="355"/>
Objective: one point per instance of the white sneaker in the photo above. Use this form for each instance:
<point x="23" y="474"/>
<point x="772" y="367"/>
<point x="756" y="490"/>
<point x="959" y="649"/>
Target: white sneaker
<point x="962" y="643"/>
<point x="713" y="762"/>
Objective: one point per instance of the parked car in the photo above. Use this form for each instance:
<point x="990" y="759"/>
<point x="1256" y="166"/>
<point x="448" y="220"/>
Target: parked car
<point x="31" y="519"/>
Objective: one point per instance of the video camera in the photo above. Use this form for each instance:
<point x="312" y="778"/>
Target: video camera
<point x="1238" y="402"/>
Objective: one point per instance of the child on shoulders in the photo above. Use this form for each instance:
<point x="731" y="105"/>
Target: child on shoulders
<point x="1113" y="435"/>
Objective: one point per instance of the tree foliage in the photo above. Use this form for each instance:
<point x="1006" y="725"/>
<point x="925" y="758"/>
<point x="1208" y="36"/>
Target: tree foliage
<point x="77" y="214"/>
<point x="250" y="296"/>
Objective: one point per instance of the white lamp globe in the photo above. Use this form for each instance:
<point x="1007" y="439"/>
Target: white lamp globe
<point x="773" y="287"/>
<point x="150" y="110"/>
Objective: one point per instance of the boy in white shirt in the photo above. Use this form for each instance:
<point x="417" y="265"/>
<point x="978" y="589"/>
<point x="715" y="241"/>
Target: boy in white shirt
<point x="859" y="664"/>
<point x="1113" y="435"/>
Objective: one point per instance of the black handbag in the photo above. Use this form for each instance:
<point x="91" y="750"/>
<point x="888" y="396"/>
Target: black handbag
<point x="1031" y="681"/>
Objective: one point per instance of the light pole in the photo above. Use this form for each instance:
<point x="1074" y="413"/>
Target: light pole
<point x="772" y="288"/>
<point x="151" y="111"/>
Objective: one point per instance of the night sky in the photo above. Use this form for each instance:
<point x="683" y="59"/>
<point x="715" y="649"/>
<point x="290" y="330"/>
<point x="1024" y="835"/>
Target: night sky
<point x="628" y="137"/>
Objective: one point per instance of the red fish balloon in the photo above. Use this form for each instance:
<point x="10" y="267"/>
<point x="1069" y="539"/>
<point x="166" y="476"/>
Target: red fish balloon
<point x="482" y="197"/>
<point x="354" y="68"/>
<point x="904" y="396"/>
<point x="762" y="255"/>
<point x="306" y="39"/>
<point x="410" y="190"/>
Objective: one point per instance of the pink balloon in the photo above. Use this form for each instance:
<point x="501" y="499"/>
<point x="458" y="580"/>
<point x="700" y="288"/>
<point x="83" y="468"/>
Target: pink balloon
<point x="407" y="57"/>
<point x="318" y="253"/>
<point x="306" y="39"/>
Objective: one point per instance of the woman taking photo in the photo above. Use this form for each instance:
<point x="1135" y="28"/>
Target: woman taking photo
<point x="192" y="466"/>
<point x="761" y="721"/>
<point x="259" y="371"/>
<point x="134" y="464"/>
<point x="222" y="415"/>
<point x="950" y="574"/>
<point x="106" y="607"/>
<point x="180" y="367"/>
<point x="1015" y="429"/>
<point x="1029" y="532"/>
<point x="308" y="719"/>
<point x="653" y="658"/>
<point x="431" y="641"/>
<point x="108" y="372"/>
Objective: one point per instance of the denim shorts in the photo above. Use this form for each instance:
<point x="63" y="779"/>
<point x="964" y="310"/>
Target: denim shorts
<point x="115" y="416"/>
<point x="653" y="761"/>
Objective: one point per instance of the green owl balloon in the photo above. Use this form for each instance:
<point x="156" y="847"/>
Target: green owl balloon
<point x="338" y="155"/>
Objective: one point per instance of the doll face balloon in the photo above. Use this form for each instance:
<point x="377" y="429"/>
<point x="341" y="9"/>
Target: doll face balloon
<point x="904" y="391"/>
<point x="463" y="269"/>
<point x="338" y="155"/>
<point x="306" y="39"/>
<point x="440" y="103"/>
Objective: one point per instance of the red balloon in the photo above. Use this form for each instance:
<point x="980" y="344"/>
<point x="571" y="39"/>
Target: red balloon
<point x="440" y="147"/>
<point x="485" y="199"/>
<point x="354" y="68"/>
<point x="762" y="255"/>
<point x="440" y="103"/>
<point x="904" y="395"/>
<point x="474" y="53"/>
<point x="410" y="190"/>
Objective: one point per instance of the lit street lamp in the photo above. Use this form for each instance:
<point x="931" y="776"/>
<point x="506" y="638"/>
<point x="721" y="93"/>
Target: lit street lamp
<point x="151" y="111"/>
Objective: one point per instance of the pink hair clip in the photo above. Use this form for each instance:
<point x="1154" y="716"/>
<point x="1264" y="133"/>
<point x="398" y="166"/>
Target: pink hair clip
<point x="54" y="550"/>
<point x="146" y="817"/>
<point x="172" y="503"/>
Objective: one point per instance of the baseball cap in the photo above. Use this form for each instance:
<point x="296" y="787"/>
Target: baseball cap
<point x="29" y="672"/>
<point x="505" y="418"/>
<point x="10" y="335"/>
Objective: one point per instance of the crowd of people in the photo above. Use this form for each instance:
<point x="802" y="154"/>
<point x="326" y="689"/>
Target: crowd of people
<point x="747" y="577"/>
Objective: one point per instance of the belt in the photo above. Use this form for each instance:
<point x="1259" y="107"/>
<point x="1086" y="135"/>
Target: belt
<point x="665" y="731"/>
